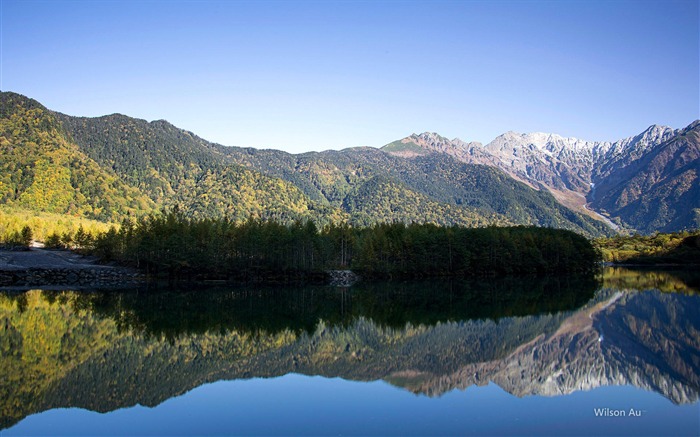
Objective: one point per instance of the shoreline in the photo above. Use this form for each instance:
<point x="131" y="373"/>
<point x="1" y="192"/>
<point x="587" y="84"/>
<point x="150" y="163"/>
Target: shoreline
<point x="55" y="268"/>
<point x="60" y="268"/>
<point x="660" y="266"/>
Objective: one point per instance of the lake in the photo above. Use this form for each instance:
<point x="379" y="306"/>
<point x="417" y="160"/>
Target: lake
<point x="613" y="355"/>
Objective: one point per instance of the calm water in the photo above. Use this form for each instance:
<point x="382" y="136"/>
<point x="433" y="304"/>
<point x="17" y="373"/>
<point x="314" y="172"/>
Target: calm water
<point x="620" y="356"/>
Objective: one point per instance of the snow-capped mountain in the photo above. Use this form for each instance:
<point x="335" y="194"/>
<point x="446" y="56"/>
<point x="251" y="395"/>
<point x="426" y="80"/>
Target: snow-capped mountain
<point x="580" y="173"/>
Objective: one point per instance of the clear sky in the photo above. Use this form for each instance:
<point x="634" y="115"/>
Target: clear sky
<point x="303" y="76"/>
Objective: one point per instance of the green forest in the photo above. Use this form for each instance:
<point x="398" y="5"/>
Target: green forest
<point x="175" y="246"/>
<point x="43" y="225"/>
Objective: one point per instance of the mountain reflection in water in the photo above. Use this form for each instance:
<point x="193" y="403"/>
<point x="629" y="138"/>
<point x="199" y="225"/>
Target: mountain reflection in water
<point x="108" y="350"/>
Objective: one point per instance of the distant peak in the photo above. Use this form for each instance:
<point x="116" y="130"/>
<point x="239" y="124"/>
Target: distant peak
<point x="511" y="134"/>
<point x="652" y="135"/>
<point x="425" y="143"/>
<point x="432" y="136"/>
<point x="162" y="122"/>
<point x="656" y="129"/>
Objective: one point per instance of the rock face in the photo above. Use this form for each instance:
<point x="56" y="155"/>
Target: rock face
<point x="659" y="189"/>
<point x="657" y="167"/>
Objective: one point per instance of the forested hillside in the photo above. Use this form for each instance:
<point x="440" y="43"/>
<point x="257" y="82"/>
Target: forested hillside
<point x="175" y="167"/>
<point x="42" y="170"/>
<point x="678" y="248"/>
<point x="372" y="186"/>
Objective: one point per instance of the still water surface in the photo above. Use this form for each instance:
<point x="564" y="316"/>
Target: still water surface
<point x="507" y="357"/>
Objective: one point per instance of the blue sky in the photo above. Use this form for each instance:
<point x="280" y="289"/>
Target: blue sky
<point x="303" y="76"/>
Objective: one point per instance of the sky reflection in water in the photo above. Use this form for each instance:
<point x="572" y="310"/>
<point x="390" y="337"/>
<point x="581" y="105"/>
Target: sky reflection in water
<point x="303" y="405"/>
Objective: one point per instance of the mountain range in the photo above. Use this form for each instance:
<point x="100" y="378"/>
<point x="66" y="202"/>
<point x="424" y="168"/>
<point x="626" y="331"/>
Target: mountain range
<point x="648" y="182"/>
<point x="115" y="166"/>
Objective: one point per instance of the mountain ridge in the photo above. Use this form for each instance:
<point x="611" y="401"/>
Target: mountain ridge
<point x="466" y="182"/>
<point x="572" y="169"/>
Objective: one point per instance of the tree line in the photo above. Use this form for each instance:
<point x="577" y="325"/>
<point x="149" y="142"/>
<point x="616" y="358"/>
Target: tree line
<point x="175" y="246"/>
<point x="660" y="248"/>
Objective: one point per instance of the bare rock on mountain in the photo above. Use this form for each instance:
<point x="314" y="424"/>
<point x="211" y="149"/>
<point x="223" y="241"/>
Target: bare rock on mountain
<point x="647" y="182"/>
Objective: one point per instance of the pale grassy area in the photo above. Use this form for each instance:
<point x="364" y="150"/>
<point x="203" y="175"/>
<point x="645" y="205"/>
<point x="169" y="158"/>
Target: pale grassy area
<point x="44" y="224"/>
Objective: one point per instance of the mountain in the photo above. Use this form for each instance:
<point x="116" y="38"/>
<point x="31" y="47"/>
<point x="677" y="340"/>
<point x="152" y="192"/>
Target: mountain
<point x="111" y="167"/>
<point x="116" y="166"/>
<point x="646" y="183"/>
<point x="436" y="187"/>
<point x="175" y="167"/>
<point x="157" y="165"/>
<point x="42" y="169"/>
<point x="658" y="189"/>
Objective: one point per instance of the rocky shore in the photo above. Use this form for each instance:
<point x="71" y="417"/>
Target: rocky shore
<point x="39" y="267"/>
<point x="342" y="278"/>
<point x="54" y="268"/>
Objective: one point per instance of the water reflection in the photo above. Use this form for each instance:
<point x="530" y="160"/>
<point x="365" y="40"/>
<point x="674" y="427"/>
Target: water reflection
<point x="669" y="281"/>
<point x="107" y="350"/>
<point x="272" y="310"/>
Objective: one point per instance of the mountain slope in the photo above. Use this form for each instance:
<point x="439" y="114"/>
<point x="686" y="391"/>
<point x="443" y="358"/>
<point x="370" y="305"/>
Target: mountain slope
<point x="590" y="177"/>
<point x="455" y="192"/>
<point x="659" y="191"/>
<point x="42" y="170"/>
<point x="175" y="167"/>
<point x="380" y="199"/>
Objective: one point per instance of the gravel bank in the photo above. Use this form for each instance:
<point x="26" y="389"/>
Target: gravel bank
<point x="40" y="267"/>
